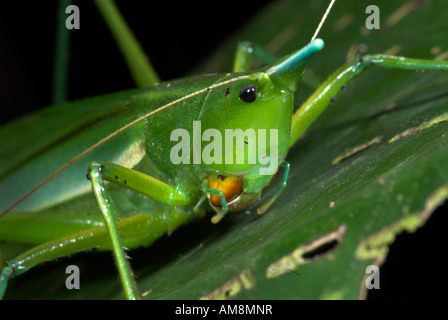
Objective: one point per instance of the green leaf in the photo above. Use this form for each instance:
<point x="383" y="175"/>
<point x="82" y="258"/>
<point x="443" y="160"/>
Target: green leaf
<point x="372" y="166"/>
<point x="356" y="204"/>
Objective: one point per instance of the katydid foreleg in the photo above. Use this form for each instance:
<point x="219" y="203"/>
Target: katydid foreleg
<point x="138" y="182"/>
<point x="325" y="94"/>
<point x="124" y="268"/>
<point x="244" y="53"/>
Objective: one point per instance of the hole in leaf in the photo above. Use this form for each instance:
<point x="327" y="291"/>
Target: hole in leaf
<point x="321" y="250"/>
<point x="307" y="253"/>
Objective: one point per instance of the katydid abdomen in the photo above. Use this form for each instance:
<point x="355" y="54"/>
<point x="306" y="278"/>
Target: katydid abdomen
<point x="56" y="135"/>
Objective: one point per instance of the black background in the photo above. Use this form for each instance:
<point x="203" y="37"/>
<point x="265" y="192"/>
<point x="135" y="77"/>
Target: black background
<point x="415" y="266"/>
<point x="176" y="36"/>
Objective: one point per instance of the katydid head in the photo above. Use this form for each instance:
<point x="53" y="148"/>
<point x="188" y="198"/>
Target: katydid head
<point x="247" y="123"/>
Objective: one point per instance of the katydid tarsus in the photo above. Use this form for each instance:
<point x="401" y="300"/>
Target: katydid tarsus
<point x="222" y="101"/>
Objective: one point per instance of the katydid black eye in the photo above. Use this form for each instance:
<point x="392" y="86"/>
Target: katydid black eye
<point x="248" y="93"/>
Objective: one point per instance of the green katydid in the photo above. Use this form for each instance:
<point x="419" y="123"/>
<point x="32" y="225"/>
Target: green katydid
<point x="210" y="89"/>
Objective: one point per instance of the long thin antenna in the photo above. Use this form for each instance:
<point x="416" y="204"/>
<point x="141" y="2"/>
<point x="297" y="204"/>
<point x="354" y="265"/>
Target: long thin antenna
<point x="323" y="19"/>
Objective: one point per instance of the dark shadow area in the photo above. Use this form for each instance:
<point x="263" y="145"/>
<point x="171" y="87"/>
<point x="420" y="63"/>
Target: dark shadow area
<point x="415" y="267"/>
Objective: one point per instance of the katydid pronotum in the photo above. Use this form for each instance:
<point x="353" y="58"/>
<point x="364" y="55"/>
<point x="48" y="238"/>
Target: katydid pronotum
<point x="197" y="95"/>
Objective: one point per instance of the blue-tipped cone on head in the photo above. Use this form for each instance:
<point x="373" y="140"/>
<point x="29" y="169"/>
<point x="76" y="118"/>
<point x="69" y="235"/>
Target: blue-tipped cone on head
<point x="289" y="70"/>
